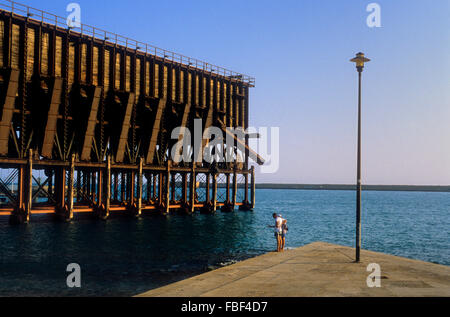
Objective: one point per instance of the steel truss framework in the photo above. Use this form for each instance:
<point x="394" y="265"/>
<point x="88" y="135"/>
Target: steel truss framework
<point x="95" y="116"/>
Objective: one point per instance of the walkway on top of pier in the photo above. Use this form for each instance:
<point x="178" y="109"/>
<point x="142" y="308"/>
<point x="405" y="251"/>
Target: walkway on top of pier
<point x="316" y="270"/>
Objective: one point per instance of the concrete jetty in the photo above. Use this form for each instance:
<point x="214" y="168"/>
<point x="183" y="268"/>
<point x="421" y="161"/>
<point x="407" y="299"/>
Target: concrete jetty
<point x="315" y="270"/>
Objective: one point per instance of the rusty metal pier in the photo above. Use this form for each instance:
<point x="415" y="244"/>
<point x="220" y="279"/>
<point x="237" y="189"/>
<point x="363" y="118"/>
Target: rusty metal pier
<point x="92" y="112"/>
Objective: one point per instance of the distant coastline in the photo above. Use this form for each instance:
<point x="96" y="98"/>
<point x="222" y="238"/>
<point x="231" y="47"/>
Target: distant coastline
<point x="410" y="188"/>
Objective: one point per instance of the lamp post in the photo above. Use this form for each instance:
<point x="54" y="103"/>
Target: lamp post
<point x="359" y="60"/>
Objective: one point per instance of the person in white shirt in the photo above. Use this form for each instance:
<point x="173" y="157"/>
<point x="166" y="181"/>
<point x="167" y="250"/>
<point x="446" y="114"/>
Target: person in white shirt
<point x="278" y="231"/>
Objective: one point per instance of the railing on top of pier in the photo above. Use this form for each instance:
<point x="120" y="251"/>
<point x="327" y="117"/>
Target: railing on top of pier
<point x="87" y="30"/>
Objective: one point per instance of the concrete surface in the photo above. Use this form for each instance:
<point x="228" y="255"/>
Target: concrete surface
<point x="315" y="270"/>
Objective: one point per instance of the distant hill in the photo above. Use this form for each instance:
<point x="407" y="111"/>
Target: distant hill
<point x="353" y="187"/>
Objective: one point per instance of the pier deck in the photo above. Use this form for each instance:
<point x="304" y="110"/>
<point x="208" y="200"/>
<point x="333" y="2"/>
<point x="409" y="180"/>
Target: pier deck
<point x="315" y="270"/>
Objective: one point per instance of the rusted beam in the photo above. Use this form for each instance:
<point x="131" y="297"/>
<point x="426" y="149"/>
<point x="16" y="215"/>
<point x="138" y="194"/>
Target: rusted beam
<point x="252" y="154"/>
<point x="246" y="188"/>
<point x="140" y="185"/>
<point x="107" y="197"/>
<point x="99" y="181"/>
<point x="46" y="164"/>
<point x="184" y="121"/>
<point x="92" y="122"/>
<point x="208" y="190"/>
<point x="228" y="188"/>
<point x="160" y="188"/>
<point x="70" y="188"/>
<point x="131" y="187"/>
<point x="192" y="189"/>
<point x="29" y="187"/>
<point x="214" y="193"/>
<point x="167" y="192"/>
<point x="123" y="187"/>
<point x="246" y="125"/>
<point x="155" y="131"/>
<point x="20" y="188"/>
<point x="234" y="188"/>
<point x="52" y="118"/>
<point x="173" y="186"/>
<point x="123" y="139"/>
<point x="208" y="122"/>
<point x="8" y="109"/>
<point x="185" y="188"/>
<point x="253" y="192"/>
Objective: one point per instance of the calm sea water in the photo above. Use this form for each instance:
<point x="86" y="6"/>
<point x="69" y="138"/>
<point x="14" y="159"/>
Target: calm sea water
<point x="123" y="256"/>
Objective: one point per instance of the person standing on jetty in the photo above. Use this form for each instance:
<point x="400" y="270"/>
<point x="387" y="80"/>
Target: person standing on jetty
<point x="280" y="231"/>
<point x="284" y="229"/>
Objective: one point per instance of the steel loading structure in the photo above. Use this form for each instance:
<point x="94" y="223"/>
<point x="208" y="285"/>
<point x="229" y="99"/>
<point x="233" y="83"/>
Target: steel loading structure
<point x="94" y="111"/>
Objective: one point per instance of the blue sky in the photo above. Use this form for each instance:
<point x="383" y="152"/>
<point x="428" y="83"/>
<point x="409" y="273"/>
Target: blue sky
<point x="299" y="52"/>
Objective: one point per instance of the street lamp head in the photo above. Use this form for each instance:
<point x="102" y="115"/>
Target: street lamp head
<point x="360" y="59"/>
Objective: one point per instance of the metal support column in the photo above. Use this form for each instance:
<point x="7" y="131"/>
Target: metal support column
<point x="140" y="183"/>
<point x="131" y="188"/>
<point x="60" y="187"/>
<point x="234" y="188"/>
<point x="29" y="187"/>
<point x="246" y="190"/>
<point x="70" y="188"/>
<point x="228" y="189"/>
<point x="253" y="193"/>
<point x="214" y="193"/>
<point x="192" y="190"/>
<point x="100" y="187"/>
<point x="167" y="207"/>
<point x="108" y="188"/>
